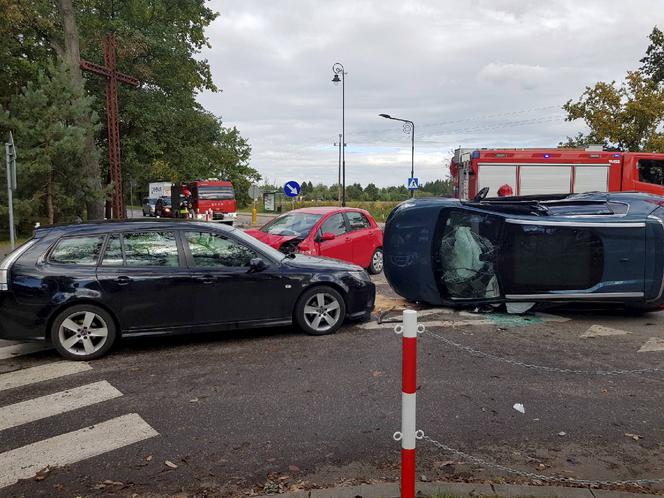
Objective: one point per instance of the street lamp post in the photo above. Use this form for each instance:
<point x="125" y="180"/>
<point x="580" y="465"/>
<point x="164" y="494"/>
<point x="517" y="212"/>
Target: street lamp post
<point x="408" y="127"/>
<point x="338" y="69"/>
<point x="338" y="144"/>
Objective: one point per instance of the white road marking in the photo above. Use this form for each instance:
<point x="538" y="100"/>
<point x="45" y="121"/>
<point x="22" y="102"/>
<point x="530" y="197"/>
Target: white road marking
<point x="72" y="447"/>
<point x="21" y="349"/>
<point x="55" y="404"/>
<point x="652" y="345"/>
<point x="602" y="331"/>
<point x="41" y="373"/>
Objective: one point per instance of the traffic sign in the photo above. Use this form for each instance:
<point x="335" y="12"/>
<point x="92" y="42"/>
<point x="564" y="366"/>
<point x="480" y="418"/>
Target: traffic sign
<point x="292" y="189"/>
<point x="255" y="192"/>
<point x="413" y="183"/>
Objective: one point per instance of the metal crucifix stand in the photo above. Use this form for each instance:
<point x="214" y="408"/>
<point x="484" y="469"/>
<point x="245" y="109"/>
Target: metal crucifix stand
<point x="109" y="71"/>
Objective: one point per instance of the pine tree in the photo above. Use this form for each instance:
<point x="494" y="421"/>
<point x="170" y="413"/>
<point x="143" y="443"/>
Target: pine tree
<point x="46" y="120"/>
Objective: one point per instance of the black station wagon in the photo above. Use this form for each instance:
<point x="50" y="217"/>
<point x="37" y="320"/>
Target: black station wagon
<point x="82" y="286"/>
<point x="593" y="247"/>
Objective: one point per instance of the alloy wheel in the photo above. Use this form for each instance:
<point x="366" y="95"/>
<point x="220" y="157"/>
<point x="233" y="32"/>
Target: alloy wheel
<point x="83" y="333"/>
<point x="377" y="261"/>
<point x="322" y="311"/>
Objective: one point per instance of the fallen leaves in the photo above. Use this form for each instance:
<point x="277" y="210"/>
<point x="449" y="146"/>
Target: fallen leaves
<point x="41" y="474"/>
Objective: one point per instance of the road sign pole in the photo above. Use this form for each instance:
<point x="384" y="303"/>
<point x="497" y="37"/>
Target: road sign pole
<point x="253" y="214"/>
<point x="10" y="196"/>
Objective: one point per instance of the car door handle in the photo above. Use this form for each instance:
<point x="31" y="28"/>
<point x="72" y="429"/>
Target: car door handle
<point x="123" y="280"/>
<point x="206" y="279"/>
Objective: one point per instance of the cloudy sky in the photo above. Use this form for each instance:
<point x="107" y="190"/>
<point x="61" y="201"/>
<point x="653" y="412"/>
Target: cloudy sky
<point x="470" y="73"/>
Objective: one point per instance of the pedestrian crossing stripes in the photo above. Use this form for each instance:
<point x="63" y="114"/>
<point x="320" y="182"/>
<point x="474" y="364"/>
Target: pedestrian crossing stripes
<point x="69" y="448"/>
<point x="55" y="404"/>
<point x="22" y="349"/>
<point x="41" y="373"/>
<point x="72" y="447"/>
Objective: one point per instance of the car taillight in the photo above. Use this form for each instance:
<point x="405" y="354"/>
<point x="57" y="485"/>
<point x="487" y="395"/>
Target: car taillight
<point x="9" y="261"/>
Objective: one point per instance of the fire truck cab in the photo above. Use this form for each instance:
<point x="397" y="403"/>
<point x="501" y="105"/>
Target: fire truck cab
<point x="555" y="171"/>
<point x="214" y="197"/>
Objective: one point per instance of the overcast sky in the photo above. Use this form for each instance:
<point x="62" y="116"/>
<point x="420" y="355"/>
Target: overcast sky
<point x="471" y="73"/>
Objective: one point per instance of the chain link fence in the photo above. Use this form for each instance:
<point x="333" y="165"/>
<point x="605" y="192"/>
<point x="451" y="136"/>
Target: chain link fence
<point x="543" y="368"/>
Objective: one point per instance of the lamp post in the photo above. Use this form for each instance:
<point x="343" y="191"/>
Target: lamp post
<point x="408" y="127"/>
<point x="338" y="69"/>
<point x="338" y="144"/>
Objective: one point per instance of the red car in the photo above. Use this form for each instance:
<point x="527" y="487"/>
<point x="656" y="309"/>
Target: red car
<point x="347" y="234"/>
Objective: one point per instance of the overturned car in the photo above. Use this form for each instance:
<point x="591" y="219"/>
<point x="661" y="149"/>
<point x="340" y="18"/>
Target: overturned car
<point x="521" y="251"/>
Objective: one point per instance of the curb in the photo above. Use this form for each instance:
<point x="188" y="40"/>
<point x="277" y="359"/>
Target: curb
<point x="391" y="490"/>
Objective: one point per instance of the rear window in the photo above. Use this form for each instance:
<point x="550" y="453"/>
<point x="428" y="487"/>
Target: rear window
<point x="357" y="220"/>
<point x="82" y="250"/>
<point x="149" y="249"/>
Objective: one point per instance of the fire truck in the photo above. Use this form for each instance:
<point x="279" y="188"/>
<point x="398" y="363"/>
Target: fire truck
<point x="211" y="199"/>
<point x="555" y="171"/>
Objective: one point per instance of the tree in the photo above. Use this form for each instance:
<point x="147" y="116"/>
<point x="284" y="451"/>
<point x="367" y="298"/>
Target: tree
<point x="371" y="192"/>
<point x="625" y="116"/>
<point x="164" y="130"/>
<point x="47" y="121"/>
<point x="653" y="62"/>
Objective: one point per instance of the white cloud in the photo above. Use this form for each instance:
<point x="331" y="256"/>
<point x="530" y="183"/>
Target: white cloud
<point x="472" y="73"/>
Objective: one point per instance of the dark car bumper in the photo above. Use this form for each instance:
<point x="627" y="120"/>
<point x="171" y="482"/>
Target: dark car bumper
<point x="361" y="299"/>
<point x="21" y="321"/>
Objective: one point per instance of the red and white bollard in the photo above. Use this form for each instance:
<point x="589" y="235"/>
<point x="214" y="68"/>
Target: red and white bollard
<point x="409" y="433"/>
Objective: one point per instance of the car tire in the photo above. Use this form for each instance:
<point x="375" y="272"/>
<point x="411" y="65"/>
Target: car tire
<point x="70" y="325"/>
<point x="377" y="262"/>
<point x="320" y="310"/>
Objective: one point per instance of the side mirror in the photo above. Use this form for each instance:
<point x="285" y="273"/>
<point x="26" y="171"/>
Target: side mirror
<point x="256" y="265"/>
<point x="327" y="236"/>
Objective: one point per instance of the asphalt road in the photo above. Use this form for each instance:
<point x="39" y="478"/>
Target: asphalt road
<point x="233" y="413"/>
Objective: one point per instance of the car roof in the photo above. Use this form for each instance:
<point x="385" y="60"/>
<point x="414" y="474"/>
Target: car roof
<point x="105" y="226"/>
<point x="326" y="210"/>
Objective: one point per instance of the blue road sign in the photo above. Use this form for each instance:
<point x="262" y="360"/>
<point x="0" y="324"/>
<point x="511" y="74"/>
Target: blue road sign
<point x="292" y="189"/>
<point x="413" y="183"/>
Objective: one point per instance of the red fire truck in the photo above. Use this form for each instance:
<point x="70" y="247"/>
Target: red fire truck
<point x="214" y="196"/>
<point x="555" y="171"/>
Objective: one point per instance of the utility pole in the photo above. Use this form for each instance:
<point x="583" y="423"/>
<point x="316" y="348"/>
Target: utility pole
<point x="10" y="158"/>
<point x="339" y="176"/>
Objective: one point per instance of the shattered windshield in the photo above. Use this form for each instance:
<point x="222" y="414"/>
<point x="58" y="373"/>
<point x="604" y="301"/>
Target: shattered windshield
<point x="466" y="254"/>
<point x="295" y="224"/>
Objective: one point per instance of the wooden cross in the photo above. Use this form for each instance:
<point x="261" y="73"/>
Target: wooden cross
<point x="109" y="71"/>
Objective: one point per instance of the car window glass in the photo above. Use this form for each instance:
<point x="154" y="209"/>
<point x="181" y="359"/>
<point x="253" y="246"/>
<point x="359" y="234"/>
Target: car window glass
<point x="466" y="255"/>
<point x="113" y="253"/>
<point x="78" y="250"/>
<point x="651" y="171"/>
<point x="334" y="224"/>
<point x="150" y="249"/>
<point x="209" y="249"/>
<point x="548" y="258"/>
<point x="357" y="220"/>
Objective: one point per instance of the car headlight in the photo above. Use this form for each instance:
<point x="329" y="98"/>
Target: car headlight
<point x="360" y="275"/>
